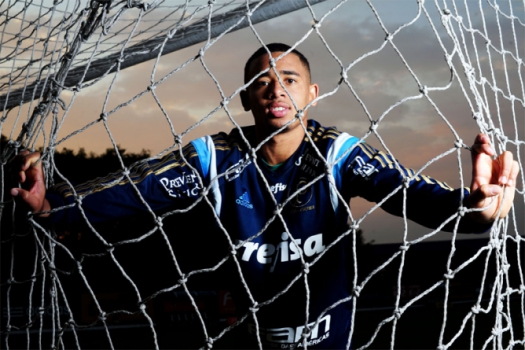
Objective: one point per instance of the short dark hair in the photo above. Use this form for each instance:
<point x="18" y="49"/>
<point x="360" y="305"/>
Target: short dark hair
<point x="273" y="47"/>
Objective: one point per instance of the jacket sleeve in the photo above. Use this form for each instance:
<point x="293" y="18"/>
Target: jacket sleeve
<point x="172" y="182"/>
<point x="374" y="175"/>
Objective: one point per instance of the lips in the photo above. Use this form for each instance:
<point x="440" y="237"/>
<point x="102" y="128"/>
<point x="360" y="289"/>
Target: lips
<point x="279" y="110"/>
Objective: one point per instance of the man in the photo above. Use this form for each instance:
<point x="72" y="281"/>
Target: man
<point x="284" y="209"/>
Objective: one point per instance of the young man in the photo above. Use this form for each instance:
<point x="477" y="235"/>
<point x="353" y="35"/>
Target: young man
<point x="287" y="238"/>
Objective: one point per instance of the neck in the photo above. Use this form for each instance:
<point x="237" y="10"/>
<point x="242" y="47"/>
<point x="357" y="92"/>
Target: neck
<point x="281" y="147"/>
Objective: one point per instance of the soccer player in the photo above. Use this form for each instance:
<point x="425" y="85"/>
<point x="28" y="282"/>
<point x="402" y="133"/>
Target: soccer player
<point x="287" y="236"/>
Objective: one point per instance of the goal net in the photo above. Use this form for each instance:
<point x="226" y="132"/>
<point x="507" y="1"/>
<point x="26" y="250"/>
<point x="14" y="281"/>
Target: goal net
<point x="100" y="87"/>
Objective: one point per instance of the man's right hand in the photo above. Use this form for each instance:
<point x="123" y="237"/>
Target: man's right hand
<point x="27" y="170"/>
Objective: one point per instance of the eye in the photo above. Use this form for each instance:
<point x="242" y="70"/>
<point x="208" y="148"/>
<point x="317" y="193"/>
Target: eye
<point x="291" y="80"/>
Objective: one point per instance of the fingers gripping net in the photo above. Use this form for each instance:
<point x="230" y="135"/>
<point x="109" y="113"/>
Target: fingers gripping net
<point x="58" y="285"/>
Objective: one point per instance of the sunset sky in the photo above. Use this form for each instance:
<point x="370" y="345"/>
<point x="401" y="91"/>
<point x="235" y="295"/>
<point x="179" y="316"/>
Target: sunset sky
<point x="413" y="131"/>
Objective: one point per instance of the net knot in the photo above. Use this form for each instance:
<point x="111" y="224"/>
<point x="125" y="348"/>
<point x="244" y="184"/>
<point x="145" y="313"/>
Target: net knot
<point x="354" y="226"/>
<point x="41" y="310"/>
<point x="211" y="2"/>
<point x="344" y="75"/>
<point x="159" y="222"/>
<point x="272" y="62"/>
<point x="397" y="314"/>
<point x="110" y="248"/>
<point x="233" y="250"/>
<point x="79" y="199"/>
<point x="299" y="114"/>
<point x="119" y="59"/>
<point x="460" y="19"/>
<point x="278" y="209"/>
<point x="11" y="280"/>
<point x="178" y="139"/>
<point x="357" y="291"/>
<point x="475" y="309"/>
<point x="253" y="153"/>
<point x="152" y="87"/>
<point x="209" y="343"/>
<point x="104" y="117"/>
<point x="406" y="182"/>
<point x="224" y="103"/>
<point x="142" y="306"/>
<point x="494" y="243"/>
<point x="495" y="332"/>
<point x="449" y="275"/>
<point x="316" y="25"/>
<point x="183" y="279"/>
<point x="423" y="89"/>
<point x="306" y="268"/>
<point x="254" y="308"/>
<point x="404" y="247"/>
<point x="462" y="211"/>
<point x="79" y="265"/>
<point x="446" y="12"/>
<point x="373" y="126"/>
<point x="459" y="143"/>
<point x="389" y="37"/>
<point x="102" y="316"/>
<point x="77" y="87"/>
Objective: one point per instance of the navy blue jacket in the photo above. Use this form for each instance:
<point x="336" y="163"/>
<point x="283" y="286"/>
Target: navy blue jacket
<point x="289" y="226"/>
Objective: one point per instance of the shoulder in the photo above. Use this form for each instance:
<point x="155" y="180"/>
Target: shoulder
<point x="235" y="140"/>
<point x="334" y="142"/>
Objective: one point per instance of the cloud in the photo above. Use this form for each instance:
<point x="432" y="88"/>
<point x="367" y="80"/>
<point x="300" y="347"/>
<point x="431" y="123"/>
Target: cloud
<point x="416" y="131"/>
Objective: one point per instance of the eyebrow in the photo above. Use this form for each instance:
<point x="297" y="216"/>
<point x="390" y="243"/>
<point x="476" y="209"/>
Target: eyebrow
<point x="282" y="72"/>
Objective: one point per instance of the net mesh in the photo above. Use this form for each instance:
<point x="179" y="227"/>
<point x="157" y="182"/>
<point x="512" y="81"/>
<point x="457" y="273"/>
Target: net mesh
<point x="127" y="280"/>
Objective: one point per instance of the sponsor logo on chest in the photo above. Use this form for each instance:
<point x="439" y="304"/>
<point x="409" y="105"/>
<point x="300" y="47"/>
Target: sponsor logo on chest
<point x="185" y="184"/>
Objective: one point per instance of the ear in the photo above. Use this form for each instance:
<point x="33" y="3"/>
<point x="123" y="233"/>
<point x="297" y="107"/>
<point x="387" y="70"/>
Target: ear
<point x="245" y="100"/>
<point x="314" y="92"/>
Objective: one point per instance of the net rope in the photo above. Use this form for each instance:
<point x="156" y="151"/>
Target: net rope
<point x="50" y="50"/>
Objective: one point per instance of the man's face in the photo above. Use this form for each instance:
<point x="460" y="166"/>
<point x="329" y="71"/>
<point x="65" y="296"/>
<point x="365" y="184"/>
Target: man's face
<point x="269" y="102"/>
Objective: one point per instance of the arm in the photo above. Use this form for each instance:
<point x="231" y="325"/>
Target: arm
<point x="373" y="175"/>
<point x="161" y="184"/>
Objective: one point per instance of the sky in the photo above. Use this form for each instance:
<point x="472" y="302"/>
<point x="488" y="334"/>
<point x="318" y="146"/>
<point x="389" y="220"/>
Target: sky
<point x="385" y="75"/>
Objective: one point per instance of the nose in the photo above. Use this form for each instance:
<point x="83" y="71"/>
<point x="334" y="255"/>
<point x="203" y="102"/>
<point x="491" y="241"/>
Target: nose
<point x="275" y="90"/>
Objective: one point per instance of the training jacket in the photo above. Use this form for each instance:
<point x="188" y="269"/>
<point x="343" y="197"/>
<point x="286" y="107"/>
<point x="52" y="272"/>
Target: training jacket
<point x="290" y="227"/>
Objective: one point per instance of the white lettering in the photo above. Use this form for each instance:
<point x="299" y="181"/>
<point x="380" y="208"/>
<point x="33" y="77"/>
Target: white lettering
<point x="265" y="252"/>
<point x="313" y="245"/>
<point x="295" y="248"/>
<point x="250" y="248"/>
<point x="292" y="337"/>
<point x="278" y="187"/>
<point x="287" y="250"/>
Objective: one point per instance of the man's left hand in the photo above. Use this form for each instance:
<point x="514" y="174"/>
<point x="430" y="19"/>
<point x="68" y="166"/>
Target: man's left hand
<point x="493" y="181"/>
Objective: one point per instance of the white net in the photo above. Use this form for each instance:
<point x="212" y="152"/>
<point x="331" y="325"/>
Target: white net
<point x="416" y="79"/>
